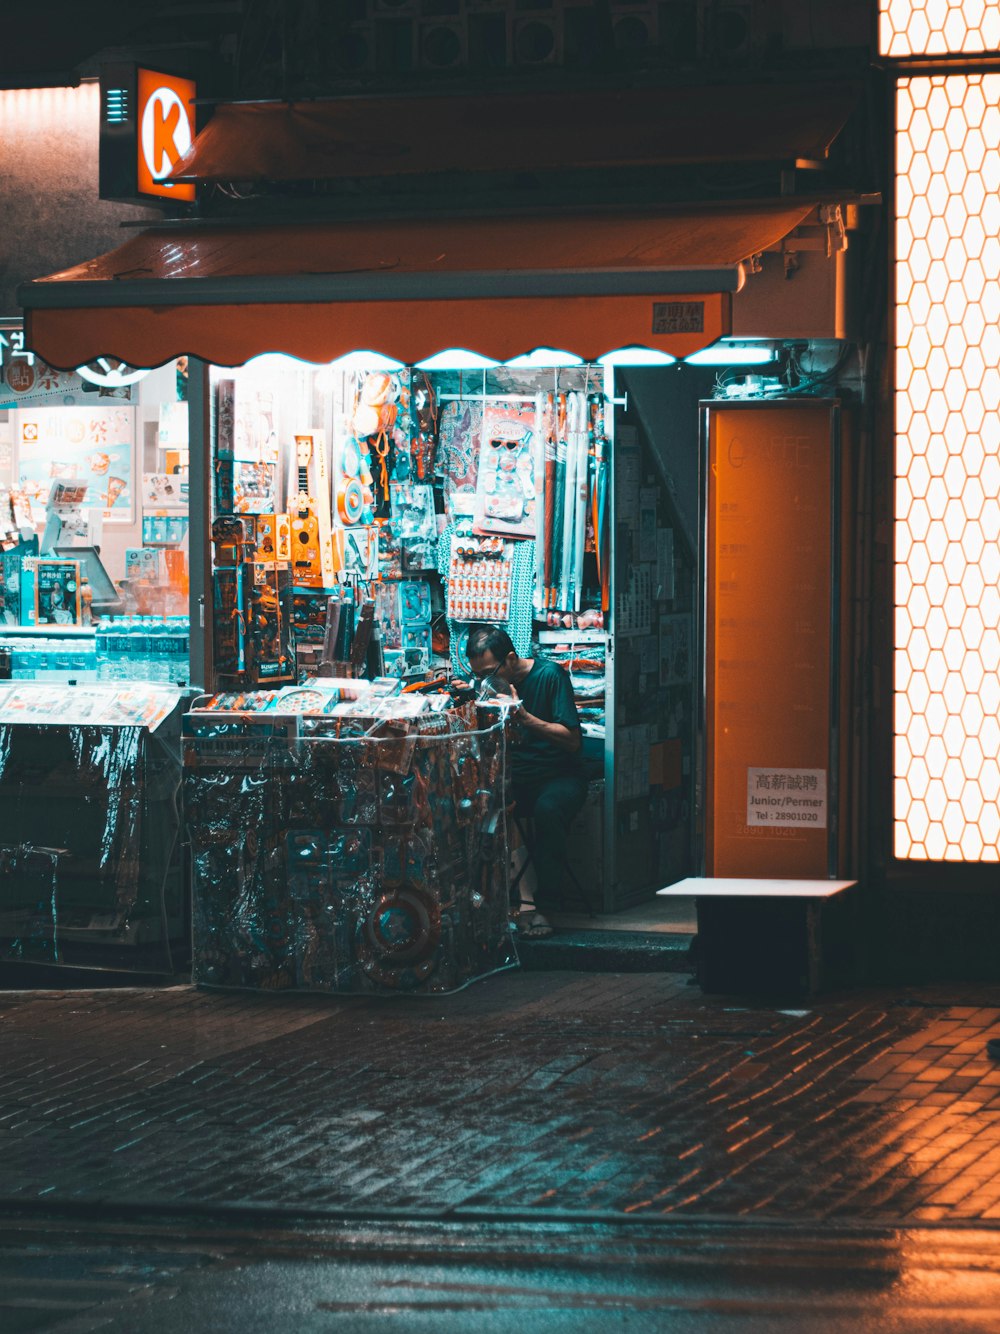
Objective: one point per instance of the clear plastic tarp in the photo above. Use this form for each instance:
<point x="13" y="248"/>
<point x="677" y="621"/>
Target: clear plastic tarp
<point x="90" y="861"/>
<point x="347" y="854"/>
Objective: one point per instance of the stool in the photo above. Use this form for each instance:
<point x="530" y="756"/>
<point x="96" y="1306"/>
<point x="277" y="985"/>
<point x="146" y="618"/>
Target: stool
<point x="522" y="824"/>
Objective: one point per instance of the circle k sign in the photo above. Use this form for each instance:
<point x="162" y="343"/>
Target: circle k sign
<point x="166" y="131"/>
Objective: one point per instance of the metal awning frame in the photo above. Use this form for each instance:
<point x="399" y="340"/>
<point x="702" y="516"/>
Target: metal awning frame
<point x="380" y="285"/>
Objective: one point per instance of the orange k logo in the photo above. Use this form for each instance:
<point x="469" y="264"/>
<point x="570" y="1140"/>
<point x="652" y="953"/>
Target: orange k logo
<point x="164" y="132"/>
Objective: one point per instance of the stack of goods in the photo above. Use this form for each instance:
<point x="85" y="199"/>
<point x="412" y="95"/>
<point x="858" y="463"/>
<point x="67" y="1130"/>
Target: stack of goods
<point x="586" y="664"/>
<point x="346" y="839"/>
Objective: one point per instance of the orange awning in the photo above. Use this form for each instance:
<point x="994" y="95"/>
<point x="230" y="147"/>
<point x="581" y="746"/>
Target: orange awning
<point x="406" y="288"/>
<point x="596" y="128"/>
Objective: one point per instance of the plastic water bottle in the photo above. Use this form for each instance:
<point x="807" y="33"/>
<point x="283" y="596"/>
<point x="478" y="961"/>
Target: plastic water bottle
<point x="101" y="635"/>
<point x="119" y="648"/>
<point x="177" y="660"/>
<point x="156" y="648"/>
<point x="128" y="650"/>
<point x="142" y="650"/>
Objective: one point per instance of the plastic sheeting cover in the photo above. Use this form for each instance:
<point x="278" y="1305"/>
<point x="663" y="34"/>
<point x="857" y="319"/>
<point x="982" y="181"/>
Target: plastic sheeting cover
<point x="89" y="830"/>
<point x="371" y="860"/>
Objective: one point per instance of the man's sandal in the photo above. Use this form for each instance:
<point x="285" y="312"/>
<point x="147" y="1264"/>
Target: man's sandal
<point x="533" y="926"/>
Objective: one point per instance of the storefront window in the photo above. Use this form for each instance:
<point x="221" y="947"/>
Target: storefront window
<point x="93" y="520"/>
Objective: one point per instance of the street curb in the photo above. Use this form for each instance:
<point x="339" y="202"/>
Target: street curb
<point x="582" y="951"/>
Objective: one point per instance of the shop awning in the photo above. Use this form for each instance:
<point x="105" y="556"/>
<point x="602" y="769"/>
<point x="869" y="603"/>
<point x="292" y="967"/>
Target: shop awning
<point x="406" y="288"/>
<point x="369" y="136"/>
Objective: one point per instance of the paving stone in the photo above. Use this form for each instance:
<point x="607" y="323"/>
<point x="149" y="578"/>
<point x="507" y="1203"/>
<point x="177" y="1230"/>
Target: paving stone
<point x="629" y="1094"/>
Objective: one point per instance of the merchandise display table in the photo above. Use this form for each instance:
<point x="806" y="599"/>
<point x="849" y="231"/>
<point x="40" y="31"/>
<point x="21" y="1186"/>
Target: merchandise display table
<point x="358" y="848"/>
<point x="767" y="935"/>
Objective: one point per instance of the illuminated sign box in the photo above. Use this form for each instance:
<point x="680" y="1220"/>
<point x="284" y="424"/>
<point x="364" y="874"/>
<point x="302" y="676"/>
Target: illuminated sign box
<point x="147" y="124"/>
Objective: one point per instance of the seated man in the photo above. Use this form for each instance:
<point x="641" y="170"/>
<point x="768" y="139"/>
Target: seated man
<point x="548" y="782"/>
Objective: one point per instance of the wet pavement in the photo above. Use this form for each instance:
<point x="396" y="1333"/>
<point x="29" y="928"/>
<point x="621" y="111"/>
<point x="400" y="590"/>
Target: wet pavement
<point x="539" y="1096"/>
<point x="75" y="1277"/>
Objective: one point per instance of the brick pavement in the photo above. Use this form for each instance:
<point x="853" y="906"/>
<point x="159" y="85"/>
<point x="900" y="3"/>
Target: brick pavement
<point x="540" y="1093"/>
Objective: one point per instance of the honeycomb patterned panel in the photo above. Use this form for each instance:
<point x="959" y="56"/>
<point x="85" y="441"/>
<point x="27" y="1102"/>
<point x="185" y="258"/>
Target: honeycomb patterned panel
<point x="947" y="686"/>
<point x="937" y="27"/>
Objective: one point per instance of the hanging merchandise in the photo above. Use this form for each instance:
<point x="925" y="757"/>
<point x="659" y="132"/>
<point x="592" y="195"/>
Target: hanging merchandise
<point x="541" y="535"/>
<point x="353" y="483"/>
<point x="404" y="610"/>
<point x="602" y="464"/>
<point x="460" y="436"/>
<point x="505" y="487"/>
<point x="423" y="446"/>
<point x="517" y="623"/>
<point x="559" y="503"/>
<point x="479" y="580"/>
<point x="582" y="488"/>
<point x="358" y="553"/>
<point x="309" y="510"/>
<point x="374" y="424"/>
<point x="270" y="655"/>
<point x="544" y="597"/>
<point x="415" y="524"/>
<point x="245" y="468"/>
<point x="568" y="558"/>
<point x="388" y="612"/>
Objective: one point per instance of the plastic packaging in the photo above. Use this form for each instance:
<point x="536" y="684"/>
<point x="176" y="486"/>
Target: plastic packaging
<point x="347" y="853"/>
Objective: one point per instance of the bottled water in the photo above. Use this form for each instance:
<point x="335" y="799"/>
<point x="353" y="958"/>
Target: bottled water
<point x="143" y="648"/>
<point x="156" y="649"/>
<point x="101" y="637"/>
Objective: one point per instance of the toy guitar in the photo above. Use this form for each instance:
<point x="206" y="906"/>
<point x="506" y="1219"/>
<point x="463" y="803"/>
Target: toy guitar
<point x="309" y="511"/>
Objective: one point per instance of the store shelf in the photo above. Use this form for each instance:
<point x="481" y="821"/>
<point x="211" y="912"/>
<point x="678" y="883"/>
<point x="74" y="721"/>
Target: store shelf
<point x="572" y="636"/>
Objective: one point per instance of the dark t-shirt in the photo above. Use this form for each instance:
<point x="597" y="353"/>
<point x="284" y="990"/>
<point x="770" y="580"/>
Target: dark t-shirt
<point x="547" y="694"/>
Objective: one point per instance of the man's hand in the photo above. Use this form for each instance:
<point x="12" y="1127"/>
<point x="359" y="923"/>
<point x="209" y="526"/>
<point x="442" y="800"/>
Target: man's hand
<point x="563" y="738"/>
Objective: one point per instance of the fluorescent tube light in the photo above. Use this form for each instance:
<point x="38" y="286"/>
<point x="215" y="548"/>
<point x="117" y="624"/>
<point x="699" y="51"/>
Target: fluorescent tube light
<point x="637" y="356"/>
<point x="456" y="359"/>
<point x="545" y="358"/>
<point x="732" y="354"/>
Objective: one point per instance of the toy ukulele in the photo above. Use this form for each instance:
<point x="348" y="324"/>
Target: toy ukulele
<point x="309" y="511"/>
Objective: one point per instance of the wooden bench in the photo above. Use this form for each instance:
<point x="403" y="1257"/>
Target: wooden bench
<point x="780" y="937"/>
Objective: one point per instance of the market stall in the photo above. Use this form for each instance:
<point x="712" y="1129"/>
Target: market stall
<point x="354" y="514"/>
<point x="347" y="838"/>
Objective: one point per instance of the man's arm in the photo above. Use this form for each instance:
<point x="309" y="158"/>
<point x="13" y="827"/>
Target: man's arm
<point x="565" y="738"/>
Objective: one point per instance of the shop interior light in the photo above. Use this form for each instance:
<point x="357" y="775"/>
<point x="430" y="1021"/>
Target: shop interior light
<point x="366" y="361"/>
<point x="544" y="358"/>
<point x="101" y="372"/>
<point x="637" y="356"/>
<point x="724" y="353"/>
<point x="456" y="359"/>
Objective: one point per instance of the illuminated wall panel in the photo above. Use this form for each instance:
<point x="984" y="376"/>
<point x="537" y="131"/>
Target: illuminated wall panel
<point x="947" y="764"/>
<point x="938" y="27"/>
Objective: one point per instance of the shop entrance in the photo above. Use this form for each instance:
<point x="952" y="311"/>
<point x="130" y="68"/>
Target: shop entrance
<point x="367" y="516"/>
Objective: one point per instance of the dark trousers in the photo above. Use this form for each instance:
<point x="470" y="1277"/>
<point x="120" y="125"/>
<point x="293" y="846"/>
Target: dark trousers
<point x="553" y="805"/>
